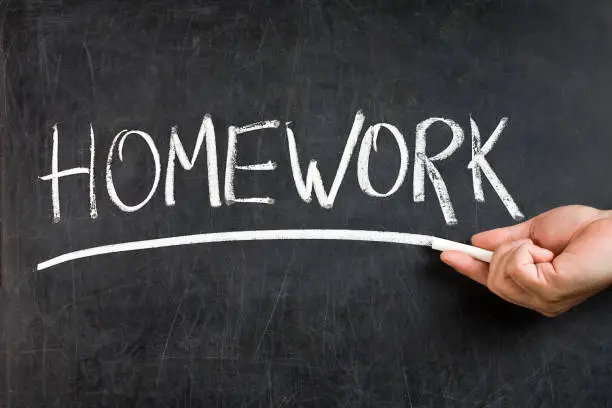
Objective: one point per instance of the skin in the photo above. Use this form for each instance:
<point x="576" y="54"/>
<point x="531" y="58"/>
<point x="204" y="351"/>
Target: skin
<point x="549" y="263"/>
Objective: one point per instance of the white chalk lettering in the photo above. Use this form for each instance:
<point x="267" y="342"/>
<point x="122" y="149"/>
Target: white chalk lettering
<point x="55" y="175"/>
<point x="313" y="176"/>
<point x="230" y="166"/>
<point x="370" y="139"/>
<point x="422" y="162"/>
<point x="110" y="186"/>
<point x="479" y="162"/>
<point x="207" y="130"/>
<point x="312" y="181"/>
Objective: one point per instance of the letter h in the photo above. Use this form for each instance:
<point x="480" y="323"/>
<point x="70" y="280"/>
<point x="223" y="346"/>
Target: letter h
<point x="55" y="175"/>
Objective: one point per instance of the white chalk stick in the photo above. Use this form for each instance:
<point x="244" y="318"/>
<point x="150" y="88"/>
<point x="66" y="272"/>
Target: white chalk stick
<point x="440" y="244"/>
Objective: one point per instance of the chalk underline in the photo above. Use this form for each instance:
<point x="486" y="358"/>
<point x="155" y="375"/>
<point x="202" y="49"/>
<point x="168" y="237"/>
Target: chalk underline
<point x="238" y="236"/>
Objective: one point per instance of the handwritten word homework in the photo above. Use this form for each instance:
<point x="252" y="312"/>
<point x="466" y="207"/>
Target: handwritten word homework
<point x="424" y="164"/>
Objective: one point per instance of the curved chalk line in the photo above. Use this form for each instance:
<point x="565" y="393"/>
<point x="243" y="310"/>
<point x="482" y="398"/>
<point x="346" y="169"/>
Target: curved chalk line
<point x="234" y="236"/>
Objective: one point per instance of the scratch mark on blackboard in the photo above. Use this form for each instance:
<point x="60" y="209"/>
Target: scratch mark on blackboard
<point x="163" y="357"/>
<point x="278" y="296"/>
<point x="91" y="71"/>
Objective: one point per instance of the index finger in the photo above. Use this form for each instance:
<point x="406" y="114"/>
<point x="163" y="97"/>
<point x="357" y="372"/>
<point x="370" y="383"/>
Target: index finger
<point x="494" y="238"/>
<point x="466" y="265"/>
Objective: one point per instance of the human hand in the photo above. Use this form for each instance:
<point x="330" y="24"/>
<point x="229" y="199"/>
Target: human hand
<point x="549" y="263"/>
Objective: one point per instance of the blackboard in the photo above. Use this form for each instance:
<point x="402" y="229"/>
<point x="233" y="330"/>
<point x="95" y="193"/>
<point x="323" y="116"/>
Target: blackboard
<point x="308" y="323"/>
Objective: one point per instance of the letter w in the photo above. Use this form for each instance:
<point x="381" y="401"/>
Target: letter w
<point x="313" y="175"/>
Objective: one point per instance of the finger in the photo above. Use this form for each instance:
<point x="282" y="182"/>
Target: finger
<point x="529" y="269"/>
<point x="494" y="238"/>
<point x="499" y="262"/>
<point x="466" y="265"/>
<point x="537" y="254"/>
<point x="513" y="293"/>
<point x="499" y="280"/>
<point x="496" y="268"/>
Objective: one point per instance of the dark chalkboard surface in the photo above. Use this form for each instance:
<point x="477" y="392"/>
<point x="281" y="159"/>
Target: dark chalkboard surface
<point x="307" y="323"/>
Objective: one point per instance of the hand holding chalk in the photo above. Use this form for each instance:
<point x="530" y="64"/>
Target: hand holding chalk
<point x="571" y="262"/>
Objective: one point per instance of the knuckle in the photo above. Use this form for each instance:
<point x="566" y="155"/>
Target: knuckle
<point x="555" y="287"/>
<point x="561" y="280"/>
<point x="514" y="270"/>
<point x="552" y="293"/>
<point x="499" y="252"/>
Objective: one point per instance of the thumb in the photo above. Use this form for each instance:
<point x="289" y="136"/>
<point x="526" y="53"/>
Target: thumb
<point x="493" y="238"/>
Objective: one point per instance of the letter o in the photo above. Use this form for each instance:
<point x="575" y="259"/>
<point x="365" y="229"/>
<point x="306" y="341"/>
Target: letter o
<point x="363" y="160"/>
<point x="121" y="136"/>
